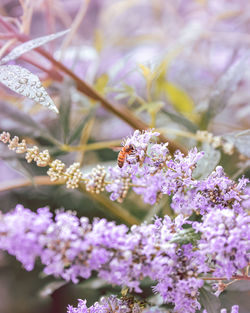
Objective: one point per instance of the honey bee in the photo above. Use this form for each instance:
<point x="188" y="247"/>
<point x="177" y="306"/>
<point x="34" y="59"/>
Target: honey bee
<point x="124" y="152"/>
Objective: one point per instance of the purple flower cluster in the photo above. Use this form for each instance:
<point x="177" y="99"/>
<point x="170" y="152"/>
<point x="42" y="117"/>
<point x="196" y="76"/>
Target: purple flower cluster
<point x="113" y="304"/>
<point x="19" y="232"/>
<point x="153" y="173"/>
<point x="151" y="169"/>
<point x="217" y="191"/>
<point x="225" y="239"/>
<point x="72" y="248"/>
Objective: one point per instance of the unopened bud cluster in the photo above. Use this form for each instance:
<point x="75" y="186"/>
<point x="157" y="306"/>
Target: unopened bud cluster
<point x="72" y="175"/>
<point x="56" y="171"/>
<point x="96" y="181"/>
<point x="124" y="189"/>
<point x="42" y="159"/>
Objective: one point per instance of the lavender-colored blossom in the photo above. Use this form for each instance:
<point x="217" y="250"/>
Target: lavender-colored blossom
<point x="140" y="140"/>
<point x="217" y="191"/>
<point x="113" y="304"/>
<point x="119" y="178"/>
<point x="152" y="170"/>
<point x="153" y="173"/>
<point x="225" y="239"/>
<point x="19" y="232"/>
<point x="177" y="271"/>
<point x="72" y="248"/>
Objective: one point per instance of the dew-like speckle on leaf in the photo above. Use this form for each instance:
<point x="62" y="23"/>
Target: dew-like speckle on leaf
<point x="30" y="45"/>
<point x="25" y="83"/>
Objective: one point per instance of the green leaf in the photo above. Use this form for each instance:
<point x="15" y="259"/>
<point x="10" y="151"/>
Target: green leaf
<point x="207" y="164"/>
<point x="126" y="92"/>
<point x="151" y="107"/>
<point x="23" y="82"/>
<point x="93" y="283"/>
<point x="30" y="45"/>
<point x="237" y="293"/>
<point x="101" y="83"/>
<point x="76" y="133"/>
<point x="209" y="301"/>
<point x="146" y="72"/>
<point x="154" y="210"/>
<point x="64" y="112"/>
<point x="51" y="287"/>
<point x="180" y="119"/>
<point x="181" y="101"/>
<point x="98" y="40"/>
<point x="241" y="141"/>
<point x="186" y="236"/>
<point x="239" y="286"/>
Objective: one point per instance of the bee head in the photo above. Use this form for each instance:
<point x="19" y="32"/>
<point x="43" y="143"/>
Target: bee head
<point x="129" y="148"/>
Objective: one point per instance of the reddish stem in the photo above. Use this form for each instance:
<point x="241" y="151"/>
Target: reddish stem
<point x="6" y="25"/>
<point x="7" y="35"/>
<point x="239" y="277"/>
<point x="50" y="71"/>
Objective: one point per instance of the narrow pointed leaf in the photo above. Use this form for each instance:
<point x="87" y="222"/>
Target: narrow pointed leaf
<point x="186" y="236"/>
<point x="236" y="297"/>
<point x="146" y="72"/>
<point x="207" y="164"/>
<point x="101" y="83"/>
<point x="76" y="133"/>
<point x="65" y="112"/>
<point x="30" y="45"/>
<point x="25" y="83"/>
<point x="51" y="287"/>
<point x="181" y="101"/>
<point x="180" y="119"/>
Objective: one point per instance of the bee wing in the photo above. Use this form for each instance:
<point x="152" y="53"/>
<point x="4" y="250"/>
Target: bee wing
<point x="116" y="149"/>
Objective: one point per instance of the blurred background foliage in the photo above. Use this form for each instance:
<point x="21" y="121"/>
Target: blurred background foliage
<point x="178" y="66"/>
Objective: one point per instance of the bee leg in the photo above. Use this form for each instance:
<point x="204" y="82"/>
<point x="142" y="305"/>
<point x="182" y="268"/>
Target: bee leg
<point x="133" y="160"/>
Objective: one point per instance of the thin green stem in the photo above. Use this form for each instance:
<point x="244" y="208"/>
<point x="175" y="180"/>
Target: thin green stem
<point x="113" y="208"/>
<point x="91" y="146"/>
